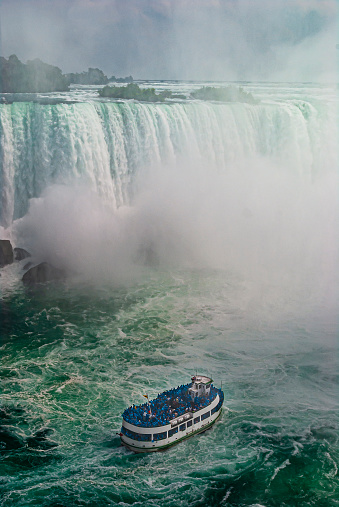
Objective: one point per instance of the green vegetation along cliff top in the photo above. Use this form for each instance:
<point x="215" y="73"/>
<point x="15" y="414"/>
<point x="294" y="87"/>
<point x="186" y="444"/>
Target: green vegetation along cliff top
<point x="38" y="77"/>
<point x="133" y="91"/>
<point x="33" y="77"/>
<point x="228" y="94"/>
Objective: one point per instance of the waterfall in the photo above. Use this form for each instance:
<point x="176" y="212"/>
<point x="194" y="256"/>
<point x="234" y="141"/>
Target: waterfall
<point x="109" y="145"/>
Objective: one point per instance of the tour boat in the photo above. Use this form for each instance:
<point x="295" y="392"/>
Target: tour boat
<point x="173" y="416"/>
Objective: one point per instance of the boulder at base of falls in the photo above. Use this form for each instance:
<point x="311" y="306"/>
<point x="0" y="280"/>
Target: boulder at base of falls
<point x="41" y="273"/>
<point x="6" y="252"/>
<point x="27" y="266"/>
<point x="20" y="254"/>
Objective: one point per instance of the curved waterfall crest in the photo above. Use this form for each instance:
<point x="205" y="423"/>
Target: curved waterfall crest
<point x="109" y="144"/>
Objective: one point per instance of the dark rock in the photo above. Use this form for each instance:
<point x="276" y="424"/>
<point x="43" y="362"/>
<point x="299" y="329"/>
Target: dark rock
<point x="27" y="265"/>
<point x="20" y="254"/>
<point x="6" y="252"/>
<point x="41" y="273"/>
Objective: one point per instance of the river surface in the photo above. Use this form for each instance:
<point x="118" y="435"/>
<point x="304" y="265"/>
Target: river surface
<point x="198" y="237"/>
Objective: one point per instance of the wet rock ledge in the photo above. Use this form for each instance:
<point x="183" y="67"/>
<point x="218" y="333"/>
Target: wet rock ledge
<point x="6" y="253"/>
<point x="43" y="272"/>
<point x="39" y="273"/>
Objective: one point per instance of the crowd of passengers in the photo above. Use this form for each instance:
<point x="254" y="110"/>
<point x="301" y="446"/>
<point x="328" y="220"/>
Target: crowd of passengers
<point x="167" y="406"/>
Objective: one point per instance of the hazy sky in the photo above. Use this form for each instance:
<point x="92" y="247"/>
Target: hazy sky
<point x="292" y="40"/>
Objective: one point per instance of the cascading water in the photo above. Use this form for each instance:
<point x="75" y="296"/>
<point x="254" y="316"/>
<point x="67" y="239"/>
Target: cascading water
<point x="109" y="144"/>
<point x="199" y="236"/>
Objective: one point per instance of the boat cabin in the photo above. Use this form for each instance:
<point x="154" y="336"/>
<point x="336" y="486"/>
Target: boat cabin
<point x="200" y="386"/>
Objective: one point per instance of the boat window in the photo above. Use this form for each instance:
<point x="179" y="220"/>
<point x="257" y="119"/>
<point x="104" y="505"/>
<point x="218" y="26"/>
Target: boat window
<point x="214" y="410"/>
<point x="197" y="419"/>
<point x="182" y="427"/>
<point x="172" y="432"/>
<point x="141" y="437"/>
<point x="159" y="436"/>
<point x="205" y="415"/>
<point x="189" y="424"/>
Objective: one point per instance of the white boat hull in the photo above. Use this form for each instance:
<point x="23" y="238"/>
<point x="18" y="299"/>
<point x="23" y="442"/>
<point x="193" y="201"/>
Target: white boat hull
<point x="180" y="434"/>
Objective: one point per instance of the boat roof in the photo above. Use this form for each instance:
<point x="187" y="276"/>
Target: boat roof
<point x="201" y="379"/>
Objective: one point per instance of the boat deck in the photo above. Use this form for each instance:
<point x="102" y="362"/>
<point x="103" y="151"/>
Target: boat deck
<point x="167" y="406"/>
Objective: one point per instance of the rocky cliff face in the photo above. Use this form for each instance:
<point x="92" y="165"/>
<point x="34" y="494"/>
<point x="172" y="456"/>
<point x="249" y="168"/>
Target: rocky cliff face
<point x="40" y="273"/>
<point x="6" y="253"/>
<point x="20" y="254"/>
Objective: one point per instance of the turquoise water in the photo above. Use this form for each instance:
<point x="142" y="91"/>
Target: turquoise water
<point x="227" y="268"/>
<point x="74" y="357"/>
